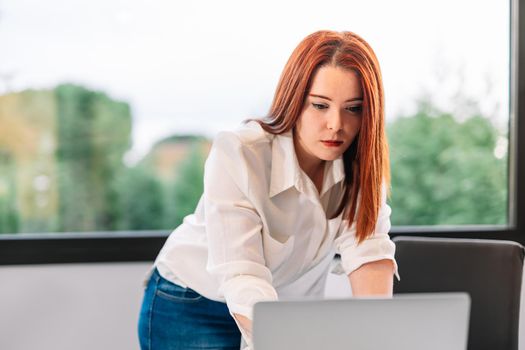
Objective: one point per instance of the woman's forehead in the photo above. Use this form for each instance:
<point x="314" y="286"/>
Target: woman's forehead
<point x="336" y="83"/>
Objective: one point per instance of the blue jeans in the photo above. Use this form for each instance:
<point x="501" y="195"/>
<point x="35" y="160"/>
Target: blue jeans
<point x="177" y="318"/>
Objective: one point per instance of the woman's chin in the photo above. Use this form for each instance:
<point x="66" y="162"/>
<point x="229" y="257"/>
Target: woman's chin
<point x="329" y="156"/>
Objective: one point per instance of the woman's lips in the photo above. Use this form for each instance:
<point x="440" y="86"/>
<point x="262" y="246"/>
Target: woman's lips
<point x="332" y="143"/>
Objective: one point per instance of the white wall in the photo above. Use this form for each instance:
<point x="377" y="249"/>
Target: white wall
<point x="72" y="306"/>
<point x="85" y="306"/>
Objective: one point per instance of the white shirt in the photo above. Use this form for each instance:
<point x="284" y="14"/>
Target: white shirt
<point x="261" y="229"/>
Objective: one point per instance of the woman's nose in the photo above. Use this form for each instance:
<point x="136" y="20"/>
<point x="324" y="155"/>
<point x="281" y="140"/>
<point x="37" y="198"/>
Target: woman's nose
<point x="334" y="121"/>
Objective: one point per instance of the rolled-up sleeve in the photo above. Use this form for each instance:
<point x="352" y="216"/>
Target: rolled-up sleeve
<point x="378" y="246"/>
<point x="233" y="228"/>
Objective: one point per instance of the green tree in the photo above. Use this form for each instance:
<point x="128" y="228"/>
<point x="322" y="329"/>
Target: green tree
<point x="140" y="204"/>
<point x="9" y="220"/>
<point x="188" y="186"/>
<point x="445" y="171"/>
<point x="94" y="132"/>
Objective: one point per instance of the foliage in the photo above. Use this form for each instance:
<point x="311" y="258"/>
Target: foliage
<point x="9" y="220"/>
<point x="93" y="134"/>
<point x="444" y="172"/>
<point x="188" y="186"/>
<point x="140" y="204"/>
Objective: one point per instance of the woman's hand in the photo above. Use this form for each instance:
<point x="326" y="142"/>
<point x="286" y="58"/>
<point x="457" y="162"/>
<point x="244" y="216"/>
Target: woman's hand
<point x="373" y="279"/>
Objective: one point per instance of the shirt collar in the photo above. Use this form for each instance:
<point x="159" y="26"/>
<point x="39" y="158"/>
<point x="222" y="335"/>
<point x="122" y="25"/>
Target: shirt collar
<point x="286" y="173"/>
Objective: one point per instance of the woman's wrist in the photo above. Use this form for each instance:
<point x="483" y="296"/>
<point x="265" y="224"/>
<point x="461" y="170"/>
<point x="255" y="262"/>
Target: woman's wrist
<point x="245" y="325"/>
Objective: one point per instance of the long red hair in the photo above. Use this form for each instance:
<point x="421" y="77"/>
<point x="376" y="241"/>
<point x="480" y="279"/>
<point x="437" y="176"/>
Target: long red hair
<point x="366" y="161"/>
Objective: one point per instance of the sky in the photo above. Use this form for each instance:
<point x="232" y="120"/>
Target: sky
<point x="204" y="66"/>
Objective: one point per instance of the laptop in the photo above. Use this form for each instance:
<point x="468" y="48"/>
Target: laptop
<point x="430" y="321"/>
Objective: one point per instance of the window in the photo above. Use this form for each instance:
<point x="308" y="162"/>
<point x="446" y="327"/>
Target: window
<point x="107" y="111"/>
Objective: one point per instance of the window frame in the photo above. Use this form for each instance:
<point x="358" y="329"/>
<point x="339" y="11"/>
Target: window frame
<point x="127" y="246"/>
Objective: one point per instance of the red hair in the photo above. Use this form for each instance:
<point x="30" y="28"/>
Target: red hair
<point x="366" y="161"/>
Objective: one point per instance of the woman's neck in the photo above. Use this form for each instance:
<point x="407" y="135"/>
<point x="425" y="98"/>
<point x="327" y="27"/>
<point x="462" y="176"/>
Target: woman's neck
<point x="311" y="165"/>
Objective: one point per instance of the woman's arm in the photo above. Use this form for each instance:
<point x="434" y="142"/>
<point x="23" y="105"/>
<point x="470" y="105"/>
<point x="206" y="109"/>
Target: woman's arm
<point x="245" y="323"/>
<point x="373" y="278"/>
<point x="234" y="231"/>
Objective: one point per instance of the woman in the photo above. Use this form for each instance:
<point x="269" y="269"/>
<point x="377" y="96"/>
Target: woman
<point x="282" y="195"/>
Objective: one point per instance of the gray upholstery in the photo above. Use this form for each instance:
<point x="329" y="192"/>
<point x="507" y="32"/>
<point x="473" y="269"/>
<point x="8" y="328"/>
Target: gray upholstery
<point x="489" y="270"/>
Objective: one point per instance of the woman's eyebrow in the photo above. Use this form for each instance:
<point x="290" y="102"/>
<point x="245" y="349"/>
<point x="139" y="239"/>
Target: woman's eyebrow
<point x="329" y="99"/>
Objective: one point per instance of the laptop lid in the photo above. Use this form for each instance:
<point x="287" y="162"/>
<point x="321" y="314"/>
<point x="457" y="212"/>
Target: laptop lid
<point x="430" y="321"/>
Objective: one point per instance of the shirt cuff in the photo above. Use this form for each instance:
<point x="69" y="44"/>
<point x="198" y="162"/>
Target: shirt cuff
<point x="243" y="291"/>
<point x="373" y="249"/>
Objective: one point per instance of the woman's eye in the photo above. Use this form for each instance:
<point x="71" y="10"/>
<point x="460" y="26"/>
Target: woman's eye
<point x="318" y="106"/>
<point x="355" y="109"/>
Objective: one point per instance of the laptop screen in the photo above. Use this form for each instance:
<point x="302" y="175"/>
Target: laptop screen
<point x="430" y="321"/>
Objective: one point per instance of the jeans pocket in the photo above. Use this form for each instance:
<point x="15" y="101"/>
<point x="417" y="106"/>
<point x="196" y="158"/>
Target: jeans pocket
<point x="171" y="291"/>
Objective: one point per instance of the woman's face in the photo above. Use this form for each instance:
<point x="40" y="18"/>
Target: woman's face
<point x="331" y="116"/>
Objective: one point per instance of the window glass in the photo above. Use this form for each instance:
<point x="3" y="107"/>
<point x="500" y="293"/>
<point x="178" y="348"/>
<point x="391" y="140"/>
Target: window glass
<point x="108" y="108"/>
